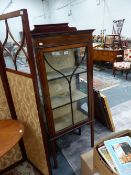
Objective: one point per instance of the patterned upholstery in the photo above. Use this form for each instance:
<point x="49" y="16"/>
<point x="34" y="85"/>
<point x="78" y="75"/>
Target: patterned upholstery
<point x="127" y="55"/>
<point x="122" y="65"/>
<point x="126" y="63"/>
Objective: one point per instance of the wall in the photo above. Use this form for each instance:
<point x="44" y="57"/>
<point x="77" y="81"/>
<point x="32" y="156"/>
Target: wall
<point x="37" y="9"/>
<point x="37" y="12"/>
<point x="90" y="14"/>
<point x="85" y="13"/>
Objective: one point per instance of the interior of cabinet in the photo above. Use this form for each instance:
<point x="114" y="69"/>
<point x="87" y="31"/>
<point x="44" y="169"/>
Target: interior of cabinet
<point x="63" y="70"/>
<point x="64" y="62"/>
<point x="60" y="94"/>
<point x="63" y="116"/>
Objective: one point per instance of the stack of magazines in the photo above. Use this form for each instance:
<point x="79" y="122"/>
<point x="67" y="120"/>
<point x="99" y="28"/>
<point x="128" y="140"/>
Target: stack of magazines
<point x="117" y="154"/>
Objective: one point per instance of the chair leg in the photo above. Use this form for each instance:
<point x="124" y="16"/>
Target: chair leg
<point x="114" y="72"/>
<point x="126" y="74"/>
<point x="53" y="148"/>
<point x="121" y="72"/>
<point x="92" y="134"/>
<point x="79" y="131"/>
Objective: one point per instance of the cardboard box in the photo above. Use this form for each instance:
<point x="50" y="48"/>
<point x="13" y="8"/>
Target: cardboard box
<point x="99" y="164"/>
<point x="87" y="167"/>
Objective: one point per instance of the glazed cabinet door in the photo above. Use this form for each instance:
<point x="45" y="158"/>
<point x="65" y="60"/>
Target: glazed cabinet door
<point x="66" y="72"/>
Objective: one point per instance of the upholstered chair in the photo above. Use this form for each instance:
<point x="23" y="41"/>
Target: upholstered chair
<point x="124" y="65"/>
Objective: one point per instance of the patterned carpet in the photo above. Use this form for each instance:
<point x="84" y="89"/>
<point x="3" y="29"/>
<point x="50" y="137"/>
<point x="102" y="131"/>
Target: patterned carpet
<point x="23" y="169"/>
<point x="103" y="80"/>
<point x="103" y="84"/>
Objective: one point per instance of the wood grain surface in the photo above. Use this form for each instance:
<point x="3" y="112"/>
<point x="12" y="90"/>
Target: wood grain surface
<point x="11" y="132"/>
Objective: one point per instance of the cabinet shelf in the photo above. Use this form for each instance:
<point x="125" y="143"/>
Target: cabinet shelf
<point x="67" y="72"/>
<point x="66" y="120"/>
<point x="64" y="99"/>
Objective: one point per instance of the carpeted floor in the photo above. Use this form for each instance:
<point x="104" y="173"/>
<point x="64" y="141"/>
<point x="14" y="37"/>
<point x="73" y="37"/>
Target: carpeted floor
<point x="73" y="145"/>
<point x="102" y="84"/>
<point x="122" y="115"/>
<point x="103" y="81"/>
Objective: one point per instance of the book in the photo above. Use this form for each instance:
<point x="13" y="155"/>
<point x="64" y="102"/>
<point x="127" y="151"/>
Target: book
<point x="105" y="154"/>
<point x="120" y="152"/>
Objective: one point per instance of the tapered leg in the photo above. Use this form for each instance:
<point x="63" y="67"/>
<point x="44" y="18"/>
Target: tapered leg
<point x="53" y="149"/>
<point x="114" y="72"/>
<point x="79" y="131"/>
<point x="126" y="74"/>
<point x="92" y="134"/>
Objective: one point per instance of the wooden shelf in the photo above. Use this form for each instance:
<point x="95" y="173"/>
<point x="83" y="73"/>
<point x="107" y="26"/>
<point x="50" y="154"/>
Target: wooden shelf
<point x="67" y="72"/>
<point x="61" y="100"/>
<point x="66" y="120"/>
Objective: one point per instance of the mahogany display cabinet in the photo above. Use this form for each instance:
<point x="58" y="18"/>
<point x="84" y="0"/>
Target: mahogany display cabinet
<point x="63" y="59"/>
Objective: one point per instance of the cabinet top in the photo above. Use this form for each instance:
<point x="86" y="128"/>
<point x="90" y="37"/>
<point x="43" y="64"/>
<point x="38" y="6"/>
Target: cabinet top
<point x="56" y="35"/>
<point x="52" y="28"/>
<point x="47" y="28"/>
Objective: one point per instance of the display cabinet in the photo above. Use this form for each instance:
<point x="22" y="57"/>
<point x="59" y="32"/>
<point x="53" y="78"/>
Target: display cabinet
<point x="64" y="59"/>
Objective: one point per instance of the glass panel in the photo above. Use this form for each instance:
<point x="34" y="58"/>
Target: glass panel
<point x="67" y="80"/>
<point x="15" y="51"/>
<point x="80" y="109"/>
<point x="62" y="117"/>
<point x="63" y="63"/>
<point x="59" y="92"/>
<point x="83" y="103"/>
<point x="69" y="115"/>
<point x="64" y="91"/>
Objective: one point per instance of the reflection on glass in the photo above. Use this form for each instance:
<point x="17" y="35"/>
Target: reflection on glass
<point x="21" y="61"/>
<point x="14" y="44"/>
<point x="66" y="74"/>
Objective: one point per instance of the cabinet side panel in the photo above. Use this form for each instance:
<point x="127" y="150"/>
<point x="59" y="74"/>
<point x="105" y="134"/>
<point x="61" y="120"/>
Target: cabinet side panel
<point x="14" y="154"/>
<point x="26" y="109"/>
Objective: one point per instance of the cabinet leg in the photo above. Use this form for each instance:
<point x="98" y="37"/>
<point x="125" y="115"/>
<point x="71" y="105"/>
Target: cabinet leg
<point x="79" y="131"/>
<point x="92" y="135"/>
<point x="54" y="156"/>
